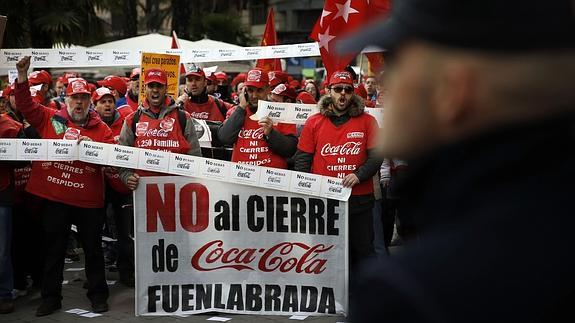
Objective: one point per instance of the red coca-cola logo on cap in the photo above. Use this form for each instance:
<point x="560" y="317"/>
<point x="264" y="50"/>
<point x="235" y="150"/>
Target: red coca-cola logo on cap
<point x="254" y="76"/>
<point x="72" y="134"/>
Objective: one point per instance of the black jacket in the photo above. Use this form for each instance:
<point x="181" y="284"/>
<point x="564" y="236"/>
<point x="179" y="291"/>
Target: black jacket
<point x="496" y="215"/>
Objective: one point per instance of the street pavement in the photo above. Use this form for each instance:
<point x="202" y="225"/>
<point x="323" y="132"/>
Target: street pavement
<point x="121" y="304"/>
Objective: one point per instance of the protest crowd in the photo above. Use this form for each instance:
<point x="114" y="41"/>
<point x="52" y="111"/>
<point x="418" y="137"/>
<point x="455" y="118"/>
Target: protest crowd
<point x="483" y="162"/>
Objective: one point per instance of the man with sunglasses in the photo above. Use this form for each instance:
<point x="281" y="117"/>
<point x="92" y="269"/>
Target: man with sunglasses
<point x="257" y="142"/>
<point x="340" y="142"/>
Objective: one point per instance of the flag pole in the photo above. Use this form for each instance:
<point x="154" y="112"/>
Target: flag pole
<point x="360" y="67"/>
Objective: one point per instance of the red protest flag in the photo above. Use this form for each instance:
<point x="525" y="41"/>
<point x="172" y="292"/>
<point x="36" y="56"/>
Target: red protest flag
<point x="338" y="18"/>
<point x="269" y="39"/>
<point x="176" y="45"/>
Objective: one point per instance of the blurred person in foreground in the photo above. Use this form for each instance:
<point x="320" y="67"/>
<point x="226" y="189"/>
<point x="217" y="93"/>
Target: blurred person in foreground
<point x="480" y="103"/>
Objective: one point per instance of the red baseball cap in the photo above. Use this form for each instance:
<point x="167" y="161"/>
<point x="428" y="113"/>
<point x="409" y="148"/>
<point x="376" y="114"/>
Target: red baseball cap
<point x="100" y="93"/>
<point x="77" y="86"/>
<point x="196" y="71"/>
<point x="340" y="77"/>
<point x="221" y="76"/>
<point x="284" y="90"/>
<point x="115" y="82"/>
<point x="69" y="75"/>
<point x="155" y="75"/>
<point x="257" y="78"/>
<point x="135" y="73"/>
<point x="305" y="98"/>
<point x="239" y="79"/>
<point x="39" y="77"/>
<point x="211" y="77"/>
<point x="278" y="77"/>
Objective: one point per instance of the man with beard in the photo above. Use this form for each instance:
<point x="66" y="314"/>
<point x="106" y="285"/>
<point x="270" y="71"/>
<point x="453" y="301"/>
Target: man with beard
<point x="117" y="194"/>
<point x="340" y="142"/>
<point x="158" y="124"/>
<point x="73" y="192"/>
<point x="196" y="100"/>
<point x="257" y="142"/>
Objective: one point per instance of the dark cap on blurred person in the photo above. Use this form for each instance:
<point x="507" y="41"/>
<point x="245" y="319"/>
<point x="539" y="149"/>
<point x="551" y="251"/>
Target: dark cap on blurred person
<point x="494" y="25"/>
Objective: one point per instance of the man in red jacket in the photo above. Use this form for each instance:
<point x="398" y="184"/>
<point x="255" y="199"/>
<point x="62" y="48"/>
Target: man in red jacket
<point x="73" y="191"/>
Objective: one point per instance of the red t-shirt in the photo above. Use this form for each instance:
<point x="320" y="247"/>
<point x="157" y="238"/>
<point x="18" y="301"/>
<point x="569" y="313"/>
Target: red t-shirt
<point x="206" y="111"/>
<point x="159" y="134"/>
<point x="339" y="151"/>
<point x="75" y="183"/>
<point x="251" y="147"/>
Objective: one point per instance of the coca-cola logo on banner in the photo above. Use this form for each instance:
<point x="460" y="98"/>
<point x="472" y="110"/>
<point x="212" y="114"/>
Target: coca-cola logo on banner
<point x="349" y="148"/>
<point x="283" y="257"/>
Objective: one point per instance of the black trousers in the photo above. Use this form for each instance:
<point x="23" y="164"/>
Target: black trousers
<point x="360" y="228"/>
<point x="56" y="221"/>
<point x="121" y="206"/>
<point x="27" y="241"/>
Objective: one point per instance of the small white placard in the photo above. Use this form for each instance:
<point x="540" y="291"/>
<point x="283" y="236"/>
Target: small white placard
<point x="62" y="150"/>
<point x="245" y="174"/>
<point x="275" y="178"/>
<point x="184" y="165"/>
<point x="77" y="311"/>
<point x="305" y="183"/>
<point x="110" y="282"/>
<point x="12" y="76"/>
<point x="32" y="149"/>
<point x="154" y="160"/>
<point x="332" y="188"/>
<point x="94" y="152"/>
<point x="214" y="169"/>
<point x="123" y="156"/>
<point x="8" y="149"/>
<point x="75" y="269"/>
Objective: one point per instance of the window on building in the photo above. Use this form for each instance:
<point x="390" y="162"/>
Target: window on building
<point x="258" y="13"/>
<point x="306" y="19"/>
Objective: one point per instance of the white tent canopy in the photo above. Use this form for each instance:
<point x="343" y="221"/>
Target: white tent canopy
<point x="144" y="42"/>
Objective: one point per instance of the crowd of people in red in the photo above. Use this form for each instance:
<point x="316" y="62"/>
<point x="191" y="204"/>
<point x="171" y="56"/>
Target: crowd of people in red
<point x="90" y="196"/>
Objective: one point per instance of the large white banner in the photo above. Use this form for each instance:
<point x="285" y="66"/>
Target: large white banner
<point x="206" y="246"/>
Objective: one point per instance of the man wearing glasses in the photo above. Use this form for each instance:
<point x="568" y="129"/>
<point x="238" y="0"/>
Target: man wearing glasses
<point x="340" y="142"/>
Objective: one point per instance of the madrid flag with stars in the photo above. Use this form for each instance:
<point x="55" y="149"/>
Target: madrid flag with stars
<point x="338" y="18"/>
